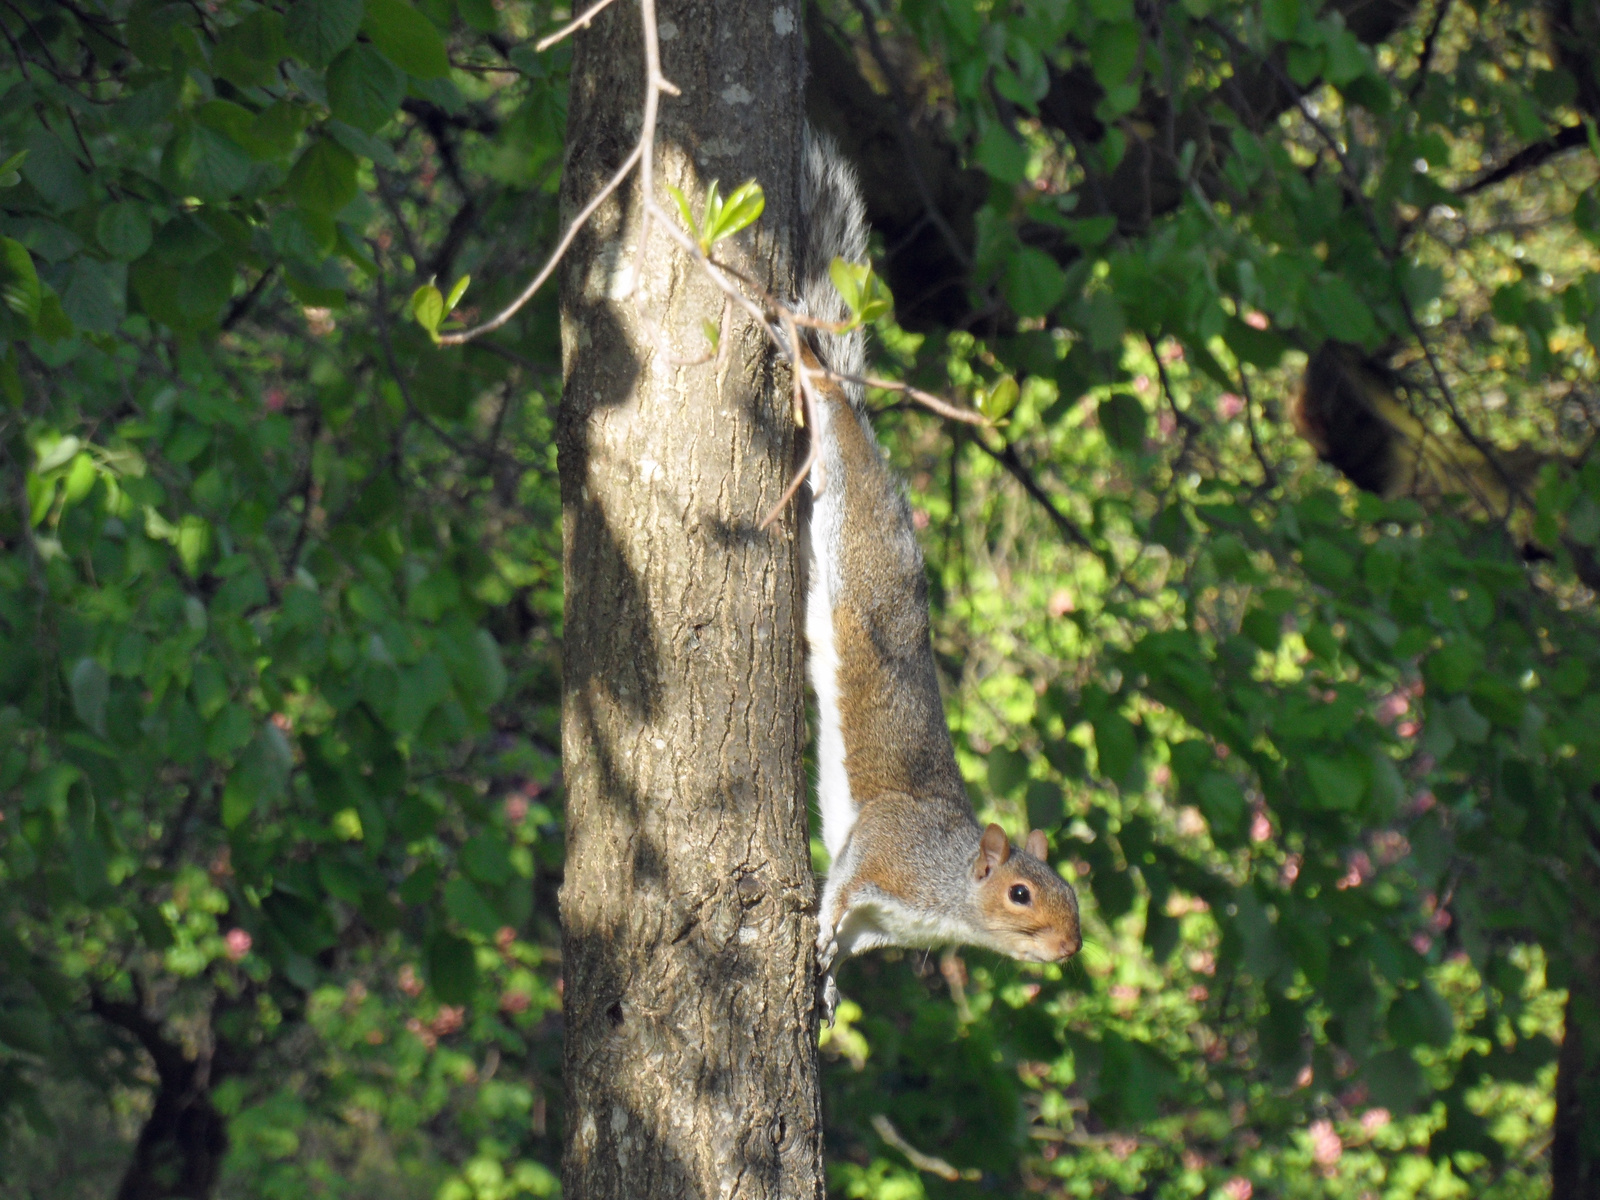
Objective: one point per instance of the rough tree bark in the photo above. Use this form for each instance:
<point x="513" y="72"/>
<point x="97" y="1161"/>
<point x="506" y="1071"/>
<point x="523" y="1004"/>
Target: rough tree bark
<point x="687" y="903"/>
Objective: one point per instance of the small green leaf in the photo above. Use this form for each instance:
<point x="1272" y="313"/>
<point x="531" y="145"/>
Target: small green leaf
<point x="317" y="30"/>
<point x="10" y="176"/>
<point x="863" y="293"/>
<point x="1007" y="769"/>
<point x="713" y="214"/>
<point x="123" y="229"/>
<point x="364" y="87"/>
<point x="407" y="38"/>
<point x="427" y="306"/>
<point x="202" y="162"/>
<point x="452" y="968"/>
<point x="1336" y="783"/>
<point x="713" y="332"/>
<point x="682" y="202"/>
<point x="456" y="292"/>
<point x="248" y="53"/>
<point x="1281" y="18"/>
<point x="1341" y="310"/>
<point x="1113" y="51"/>
<point x="1420" y="1017"/>
<point x="1116" y="745"/>
<point x="19" y="280"/>
<point x="192" y="541"/>
<point x="324" y="177"/>
<point x="485" y="859"/>
<point x="998" y="401"/>
<point x="91" y="689"/>
<point x="468" y="908"/>
<point x="740" y="210"/>
<point x="1122" y="418"/>
<point x="1033" y="283"/>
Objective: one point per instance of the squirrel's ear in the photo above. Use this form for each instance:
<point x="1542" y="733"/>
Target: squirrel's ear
<point x="993" y="850"/>
<point x="1037" y="845"/>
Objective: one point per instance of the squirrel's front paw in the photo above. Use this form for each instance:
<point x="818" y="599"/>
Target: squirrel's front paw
<point x="826" y="953"/>
<point x="829" y="1000"/>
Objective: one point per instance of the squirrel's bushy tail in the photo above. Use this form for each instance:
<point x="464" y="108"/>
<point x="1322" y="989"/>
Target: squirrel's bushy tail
<point x="834" y="221"/>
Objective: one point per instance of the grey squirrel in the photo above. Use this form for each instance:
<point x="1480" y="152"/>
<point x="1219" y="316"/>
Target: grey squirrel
<point x="910" y="866"/>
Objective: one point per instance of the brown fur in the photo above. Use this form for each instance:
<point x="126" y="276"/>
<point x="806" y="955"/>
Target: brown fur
<point x="915" y="843"/>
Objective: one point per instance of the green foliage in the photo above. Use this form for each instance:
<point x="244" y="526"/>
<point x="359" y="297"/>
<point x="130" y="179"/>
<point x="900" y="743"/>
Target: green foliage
<point x="280" y="594"/>
<point x="721" y="218"/>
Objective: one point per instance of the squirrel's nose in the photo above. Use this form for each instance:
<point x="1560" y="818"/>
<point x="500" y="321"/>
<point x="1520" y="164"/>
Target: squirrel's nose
<point x="1070" y="944"/>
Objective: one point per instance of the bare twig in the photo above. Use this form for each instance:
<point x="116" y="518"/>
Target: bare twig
<point x="571" y="27"/>
<point x="919" y="1160"/>
<point x="1429" y="42"/>
<point x="505" y="314"/>
<point x="1269" y="477"/>
<point x="1569" y="138"/>
<point x="1007" y="457"/>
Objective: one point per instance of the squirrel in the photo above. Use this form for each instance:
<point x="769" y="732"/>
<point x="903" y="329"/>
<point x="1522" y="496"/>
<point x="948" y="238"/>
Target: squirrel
<point x="910" y="865"/>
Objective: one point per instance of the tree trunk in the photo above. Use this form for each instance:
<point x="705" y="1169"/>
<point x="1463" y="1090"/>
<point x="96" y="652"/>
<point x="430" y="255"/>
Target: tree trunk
<point x="687" y="907"/>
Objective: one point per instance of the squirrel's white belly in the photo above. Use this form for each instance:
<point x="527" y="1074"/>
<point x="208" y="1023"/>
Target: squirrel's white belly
<point x="875" y="919"/>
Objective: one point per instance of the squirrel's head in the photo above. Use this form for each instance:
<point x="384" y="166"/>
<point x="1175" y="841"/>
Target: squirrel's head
<point x="1028" y="910"/>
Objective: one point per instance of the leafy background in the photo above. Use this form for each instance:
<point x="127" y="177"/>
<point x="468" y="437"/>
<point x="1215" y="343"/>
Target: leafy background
<point x="280" y="825"/>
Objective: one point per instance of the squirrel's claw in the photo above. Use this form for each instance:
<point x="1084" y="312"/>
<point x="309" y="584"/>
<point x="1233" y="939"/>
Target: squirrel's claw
<point x="830" y="999"/>
<point x="826" y="953"/>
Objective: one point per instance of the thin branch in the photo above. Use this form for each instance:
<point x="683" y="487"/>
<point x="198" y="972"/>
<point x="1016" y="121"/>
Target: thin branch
<point x="1570" y="138"/>
<point x="1429" y="43"/>
<point x="919" y="1160"/>
<point x="505" y="314"/>
<point x="1007" y="457"/>
<point x="581" y="22"/>
<point x="804" y="400"/>
<point x="246" y="302"/>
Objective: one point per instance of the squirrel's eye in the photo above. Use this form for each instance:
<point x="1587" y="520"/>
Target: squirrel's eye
<point x="1019" y="894"/>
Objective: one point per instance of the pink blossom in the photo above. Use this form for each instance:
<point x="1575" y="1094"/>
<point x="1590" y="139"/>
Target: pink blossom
<point x="1291" y="870"/>
<point x="515" y="1002"/>
<point x="408" y="982"/>
<point x="1392" y="706"/>
<point x="1238" y="1188"/>
<point x="1229" y="406"/>
<point x="516" y="808"/>
<point x="919" y="518"/>
<point x="239" y="943"/>
<point x="422" y="1033"/>
<point x="1374" y="1119"/>
<point x="274" y="399"/>
<point x="1360" y="871"/>
<point x="1326" y="1148"/>
<point x="1260" y="827"/>
<point x="449" y="1018"/>
<point x="1304" y="1077"/>
<point x="1166" y="423"/>
<point x="1256" y="320"/>
<point x="1061" y="603"/>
